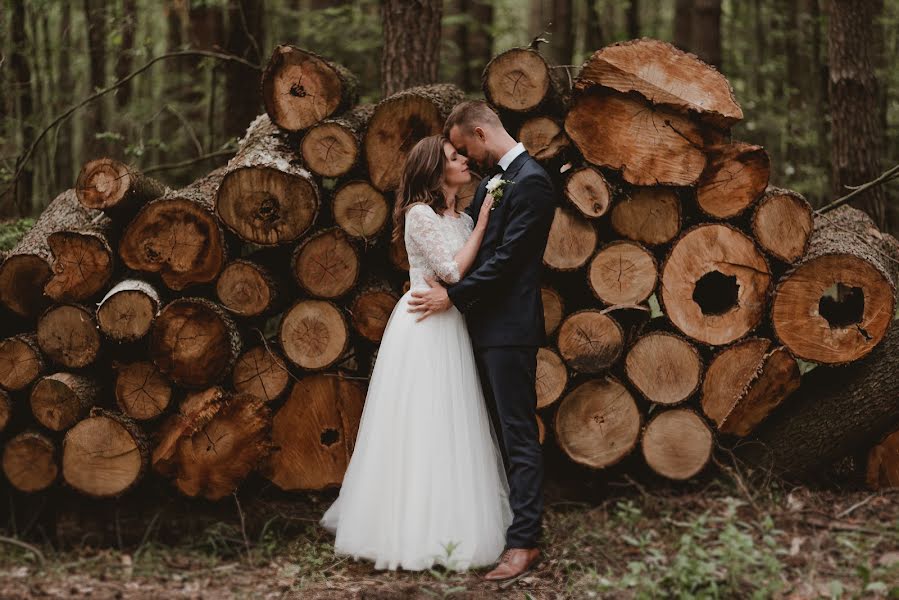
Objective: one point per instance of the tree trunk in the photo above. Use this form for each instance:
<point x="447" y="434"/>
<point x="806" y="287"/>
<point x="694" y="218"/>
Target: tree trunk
<point x="63" y="159"/>
<point x="596" y="35"/>
<point x="95" y="15"/>
<point x="60" y="400"/>
<point x="67" y="334"/>
<point x="479" y="32"/>
<point x="244" y="40"/>
<point x="683" y="24"/>
<point x="855" y="102"/>
<point x="24" y="190"/>
<point x="30" y="462"/>
<point x="128" y="310"/>
<point x="125" y="59"/>
<point x="561" y="45"/>
<point x="707" y="31"/>
<point x="411" y="52"/>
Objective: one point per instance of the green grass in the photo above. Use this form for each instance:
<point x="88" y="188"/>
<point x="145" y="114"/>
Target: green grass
<point x="12" y="231"/>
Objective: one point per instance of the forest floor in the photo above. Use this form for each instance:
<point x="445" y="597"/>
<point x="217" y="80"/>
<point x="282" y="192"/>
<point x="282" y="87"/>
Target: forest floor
<point x="701" y="540"/>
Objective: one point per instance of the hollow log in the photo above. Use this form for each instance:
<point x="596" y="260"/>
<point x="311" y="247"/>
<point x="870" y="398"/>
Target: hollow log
<point x="119" y="190"/>
<point x="67" y="334"/>
<point x="715" y="284"/>
<point x="589" y="192"/>
<point x="882" y="469"/>
<point x="729" y="373"/>
<point x="677" y="443"/>
<point x="21" y="362"/>
<point x="590" y="341"/>
<point x="371" y="310"/>
<point x="649" y="215"/>
<point x="836" y="305"/>
<point x="178" y="236"/>
<point x="572" y="241"/>
<point x="128" y="310"/>
<point x="83" y="261"/>
<point x="314" y="433"/>
<point x="598" y="423"/>
<point x="300" y="88"/>
<point x="782" y="224"/>
<point x="398" y="123"/>
<point x="141" y="391"/>
<point x="326" y="264"/>
<point x="664" y="367"/>
<point x="333" y="147"/>
<point x="313" y="334"/>
<point x="543" y="137"/>
<point x="552" y="377"/>
<point x="30" y="462"/>
<point x="520" y="80"/>
<point x="194" y="342"/>
<point x="734" y="178"/>
<point x="622" y="272"/>
<point x="104" y="455"/>
<point x="553" y="309"/>
<point x="360" y="210"/>
<point x="60" y="400"/>
<point x="247" y="288"/>
<point x="261" y="372"/>
<point x="265" y="196"/>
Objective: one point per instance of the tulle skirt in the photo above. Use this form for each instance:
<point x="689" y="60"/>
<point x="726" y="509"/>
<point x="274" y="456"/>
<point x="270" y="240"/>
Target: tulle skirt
<point x="426" y="483"/>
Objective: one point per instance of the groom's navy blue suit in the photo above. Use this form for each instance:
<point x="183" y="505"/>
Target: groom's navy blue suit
<point x="500" y="298"/>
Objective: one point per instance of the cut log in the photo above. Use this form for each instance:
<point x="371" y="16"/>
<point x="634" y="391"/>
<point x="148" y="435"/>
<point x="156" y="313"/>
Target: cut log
<point x="21" y="362"/>
<point x="835" y="306"/>
<point x="128" y="310"/>
<point x="650" y="145"/>
<point x="30" y="462"/>
<point x="371" y="310"/>
<point x="117" y="189"/>
<point x="104" y="455"/>
<point x="598" y="423"/>
<point x="782" y="224"/>
<point x="398" y="123"/>
<point x="715" y="284"/>
<point x="664" y="367"/>
<point x="519" y="80"/>
<point x="589" y="192"/>
<point x="83" y="261"/>
<point x="5" y="409"/>
<point x="677" y="443"/>
<point x="553" y="309"/>
<point x="543" y="137"/>
<point x="397" y="254"/>
<point x="326" y="264"/>
<point x="360" y="210"/>
<point x="314" y="433"/>
<point x="194" y="342"/>
<point x="590" y="341"/>
<point x="300" y="88"/>
<point x="265" y="196"/>
<point x="67" y="334"/>
<point x="729" y="374"/>
<point x="26" y="269"/>
<point x="331" y="148"/>
<point x="60" y="400"/>
<point x="664" y="75"/>
<point x="622" y="272"/>
<point x="775" y="380"/>
<point x="649" y="215"/>
<point x="141" y="391"/>
<point x="261" y="372"/>
<point x="541" y="430"/>
<point x="552" y="377"/>
<point x="314" y="334"/>
<point x="882" y="470"/>
<point x="213" y="443"/>
<point x="247" y="288"/>
<point x="571" y="243"/>
<point x="734" y="178"/>
<point x="178" y="236"/>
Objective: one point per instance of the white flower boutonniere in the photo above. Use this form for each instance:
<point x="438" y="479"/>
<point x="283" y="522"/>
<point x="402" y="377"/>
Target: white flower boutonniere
<point x="496" y="187"/>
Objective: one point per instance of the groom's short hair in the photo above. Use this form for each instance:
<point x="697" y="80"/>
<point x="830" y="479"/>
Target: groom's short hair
<point x="470" y="114"/>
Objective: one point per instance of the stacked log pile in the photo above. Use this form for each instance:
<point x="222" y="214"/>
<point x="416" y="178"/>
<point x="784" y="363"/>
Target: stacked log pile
<point x="205" y="333"/>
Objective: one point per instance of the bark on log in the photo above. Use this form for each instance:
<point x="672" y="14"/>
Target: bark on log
<point x="649" y="215"/>
<point x="178" y="236"/>
<point x="313" y="334"/>
<point x="194" y="342"/>
<point x="83" y="261"/>
<point x="30" y="462"/>
<point x="734" y="178"/>
<point x="677" y="443"/>
<point x="836" y="305"/>
<point x="360" y="210"/>
<point x="729" y="373"/>
<point x="715" y="284"/>
<point x="571" y="243"/>
<point x="213" y="443"/>
<point x="300" y="88"/>
<point x="265" y="196"/>
<point x="398" y="123"/>
<point x="553" y="309"/>
<point x="782" y="224"/>
<point x="371" y="310"/>
<point x="520" y="80"/>
<point x="117" y="189"/>
<point x="552" y="377"/>
<point x="21" y="362"/>
<point x="543" y="137"/>
<point x="67" y="334"/>
<point x="326" y="264"/>
<point x="664" y="367"/>
<point x="589" y="192"/>
<point x="247" y="288"/>
<point x="141" y="391"/>
<point x="314" y="433"/>
<point x="261" y="372"/>
<point x="60" y="400"/>
<point x="598" y="423"/>
<point x="333" y="147"/>
<point x="622" y="272"/>
<point x="882" y="471"/>
<point x="26" y="269"/>
<point x="590" y="341"/>
<point x="128" y="310"/>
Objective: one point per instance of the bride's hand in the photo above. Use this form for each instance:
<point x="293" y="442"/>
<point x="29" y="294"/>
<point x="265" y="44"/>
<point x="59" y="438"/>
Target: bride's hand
<point x="486" y="207"/>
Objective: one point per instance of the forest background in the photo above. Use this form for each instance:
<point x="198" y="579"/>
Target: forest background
<point x="182" y="116"/>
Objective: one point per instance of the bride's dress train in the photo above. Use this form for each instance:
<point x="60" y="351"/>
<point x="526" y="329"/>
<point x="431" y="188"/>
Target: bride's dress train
<point x="426" y="483"/>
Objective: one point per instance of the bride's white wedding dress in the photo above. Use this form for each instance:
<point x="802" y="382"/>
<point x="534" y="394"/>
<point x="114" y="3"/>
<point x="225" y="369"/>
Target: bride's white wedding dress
<point x="426" y="483"/>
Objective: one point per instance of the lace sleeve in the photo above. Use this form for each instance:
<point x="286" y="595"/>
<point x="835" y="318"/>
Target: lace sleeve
<point x="424" y="230"/>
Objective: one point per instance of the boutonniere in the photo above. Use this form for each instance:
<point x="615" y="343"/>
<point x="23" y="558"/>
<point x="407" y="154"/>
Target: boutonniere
<point x="496" y="187"/>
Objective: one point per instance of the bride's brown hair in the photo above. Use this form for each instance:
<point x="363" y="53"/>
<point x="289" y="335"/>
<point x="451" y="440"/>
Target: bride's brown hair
<point x="421" y="181"/>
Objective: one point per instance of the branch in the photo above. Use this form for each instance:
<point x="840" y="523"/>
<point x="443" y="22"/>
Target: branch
<point x="23" y="159"/>
<point x="188" y="162"/>
<point x="886" y="176"/>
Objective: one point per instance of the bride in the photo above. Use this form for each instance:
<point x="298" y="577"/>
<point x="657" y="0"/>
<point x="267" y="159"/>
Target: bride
<point x="426" y="483"/>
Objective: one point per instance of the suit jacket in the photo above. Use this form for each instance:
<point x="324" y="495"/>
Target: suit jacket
<point x="500" y="296"/>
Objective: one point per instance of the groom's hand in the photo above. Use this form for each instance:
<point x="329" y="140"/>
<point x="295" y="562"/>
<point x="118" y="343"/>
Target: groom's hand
<point x="431" y="302"/>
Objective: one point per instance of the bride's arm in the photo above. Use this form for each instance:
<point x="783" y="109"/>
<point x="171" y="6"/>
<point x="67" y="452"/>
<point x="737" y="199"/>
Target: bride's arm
<point x="425" y="232"/>
<point x="464" y="258"/>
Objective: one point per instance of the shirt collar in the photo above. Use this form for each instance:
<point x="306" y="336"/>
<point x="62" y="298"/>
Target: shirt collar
<point x="511" y="155"/>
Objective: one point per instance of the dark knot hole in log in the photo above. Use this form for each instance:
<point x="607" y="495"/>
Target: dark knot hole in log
<point x="842" y="305"/>
<point x="329" y="437"/>
<point x="716" y="293"/>
<point x="268" y="208"/>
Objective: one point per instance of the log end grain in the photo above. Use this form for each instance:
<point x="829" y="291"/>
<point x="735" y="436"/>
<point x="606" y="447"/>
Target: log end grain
<point x="664" y="367"/>
<point x="622" y="272"/>
<point x="313" y="334"/>
<point x="104" y="455"/>
<point x="677" y="444"/>
<point x="30" y="462"/>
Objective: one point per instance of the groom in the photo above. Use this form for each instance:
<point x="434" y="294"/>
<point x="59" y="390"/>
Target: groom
<point x="500" y="298"/>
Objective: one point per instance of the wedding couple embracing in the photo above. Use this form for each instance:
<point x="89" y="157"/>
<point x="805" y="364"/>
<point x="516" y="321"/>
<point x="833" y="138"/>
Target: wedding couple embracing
<point x="447" y="467"/>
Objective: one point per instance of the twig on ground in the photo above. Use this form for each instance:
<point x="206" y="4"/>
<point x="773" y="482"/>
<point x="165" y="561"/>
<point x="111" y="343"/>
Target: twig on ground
<point x="33" y="549"/>
<point x="852" y="508"/>
<point x="243" y="525"/>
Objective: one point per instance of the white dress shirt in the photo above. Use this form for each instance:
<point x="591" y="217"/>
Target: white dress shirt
<point x="511" y="155"/>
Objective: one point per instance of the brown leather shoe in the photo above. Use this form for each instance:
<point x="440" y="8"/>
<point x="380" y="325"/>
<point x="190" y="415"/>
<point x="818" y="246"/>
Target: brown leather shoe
<point x="514" y="562"/>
